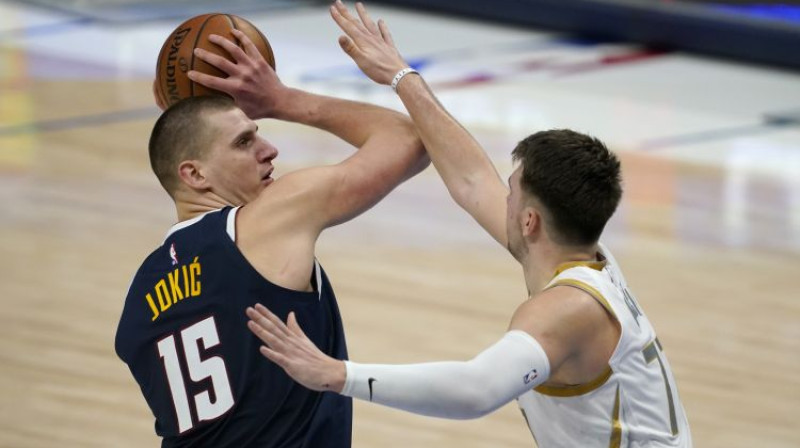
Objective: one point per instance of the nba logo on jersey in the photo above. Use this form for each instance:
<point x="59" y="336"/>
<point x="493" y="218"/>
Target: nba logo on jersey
<point x="530" y="376"/>
<point x="173" y="254"/>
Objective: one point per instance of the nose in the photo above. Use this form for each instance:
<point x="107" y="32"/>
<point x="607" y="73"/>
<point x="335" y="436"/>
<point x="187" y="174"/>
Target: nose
<point x="266" y="151"/>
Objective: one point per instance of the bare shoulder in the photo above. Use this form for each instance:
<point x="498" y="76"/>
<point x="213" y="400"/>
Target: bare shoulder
<point x="278" y="231"/>
<point x="560" y="305"/>
<point x="567" y="322"/>
<point x="292" y="202"/>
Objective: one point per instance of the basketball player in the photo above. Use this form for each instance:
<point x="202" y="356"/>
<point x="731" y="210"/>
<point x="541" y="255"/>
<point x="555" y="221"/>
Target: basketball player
<point x="244" y="237"/>
<point x="580" y="357"/>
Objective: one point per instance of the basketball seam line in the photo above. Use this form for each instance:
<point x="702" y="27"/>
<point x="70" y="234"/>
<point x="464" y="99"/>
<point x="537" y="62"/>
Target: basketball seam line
<point x="196" y="40"/>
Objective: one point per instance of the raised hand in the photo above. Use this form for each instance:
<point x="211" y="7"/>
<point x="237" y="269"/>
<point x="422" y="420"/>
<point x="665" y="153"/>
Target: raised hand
<point x="291" y="349"/>
<point x="251" y="81"/>
<point x="370" y="45"/>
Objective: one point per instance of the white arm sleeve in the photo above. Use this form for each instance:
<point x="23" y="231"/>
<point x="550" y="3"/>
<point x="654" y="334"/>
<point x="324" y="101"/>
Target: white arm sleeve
<point x="457" y="390"/>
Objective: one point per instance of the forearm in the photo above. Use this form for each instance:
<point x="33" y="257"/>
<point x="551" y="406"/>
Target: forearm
<point x="459" y="159"/>
<point x="352" y="121"/>
<point x="458" y="390"/>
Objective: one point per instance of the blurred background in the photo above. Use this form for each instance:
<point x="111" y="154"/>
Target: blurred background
<point x="701" y="100"/>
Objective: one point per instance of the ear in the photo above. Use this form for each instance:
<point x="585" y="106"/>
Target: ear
<point x="530" y="221"/>
<point x="191" y="174"/>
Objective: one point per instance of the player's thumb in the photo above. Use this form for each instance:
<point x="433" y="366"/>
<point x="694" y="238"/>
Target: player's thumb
<point x="347" y="45"/>
<point x="294" y="327"/>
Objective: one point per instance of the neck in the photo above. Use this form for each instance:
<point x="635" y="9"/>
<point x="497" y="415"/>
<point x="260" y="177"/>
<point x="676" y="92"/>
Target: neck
<point x="190" y="205"/>
<point x="541" y="262"/>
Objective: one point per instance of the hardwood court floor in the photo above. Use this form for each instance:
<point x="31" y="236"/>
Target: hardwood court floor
<point x="708" y="235"/>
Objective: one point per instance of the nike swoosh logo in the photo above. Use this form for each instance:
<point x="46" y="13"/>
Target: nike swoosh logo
<point x="369" y="382"/>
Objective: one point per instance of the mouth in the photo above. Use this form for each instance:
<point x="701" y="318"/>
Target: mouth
<point x="267" y="178"/>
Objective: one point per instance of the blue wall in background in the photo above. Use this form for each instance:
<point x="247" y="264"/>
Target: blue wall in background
<point x="763" y="32"/>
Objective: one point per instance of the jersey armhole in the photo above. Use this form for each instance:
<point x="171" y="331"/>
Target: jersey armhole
<point x="230" y="226"/>
<point x="589" y="290"/>
<point x="318" y="278"/>
<point x="230" y="229"/>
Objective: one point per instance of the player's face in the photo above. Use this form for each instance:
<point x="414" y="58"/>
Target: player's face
<point x="514" y="205"/>
<point x="240" y="162"/>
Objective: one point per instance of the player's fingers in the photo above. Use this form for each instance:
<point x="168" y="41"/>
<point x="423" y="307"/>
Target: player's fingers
<point x="345" y="12"/>
<point x="266" y="330"/>
<point x="216" y="60"/>
<point x="212" y="82"/>
<point x="385" y="33"/>
<point x="268" y="320"/>
<point x="294" y="327"/>
<point x="366" y="19"/>
<point x="264" y="311"/>
<point x="248" y="45"/>
<point x="348" y="46"/>
<point x="340" y="20"/>
<point x="345" y="21"/>
<point x="273" y="320"/>
<point x="274" y="356"/>
<point x="266" y="335"/>
<point x="234" y="50"/>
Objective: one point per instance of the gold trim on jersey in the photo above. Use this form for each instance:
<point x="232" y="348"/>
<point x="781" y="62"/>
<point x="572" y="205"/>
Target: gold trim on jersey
<point x="596" y="265"/>
<point x="528" y="422"/>
<point x="616" y="426"/>
<point x="577" y="389"/>
<point x="649" y="352"/>
<point x="588" y="289"/>
<point x="580" y="389"/>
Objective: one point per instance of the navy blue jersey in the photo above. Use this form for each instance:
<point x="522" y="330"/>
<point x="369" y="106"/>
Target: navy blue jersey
<point x="184" y="337"/>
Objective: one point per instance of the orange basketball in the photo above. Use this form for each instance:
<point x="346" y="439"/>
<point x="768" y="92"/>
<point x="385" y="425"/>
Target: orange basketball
<point x="177" y="54"/>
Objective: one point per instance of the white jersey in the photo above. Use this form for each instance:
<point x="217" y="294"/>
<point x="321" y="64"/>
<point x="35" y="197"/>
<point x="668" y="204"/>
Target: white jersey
<point x="634" y="403"/>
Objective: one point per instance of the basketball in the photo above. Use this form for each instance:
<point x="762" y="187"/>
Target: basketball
<point x="177" y="54"/>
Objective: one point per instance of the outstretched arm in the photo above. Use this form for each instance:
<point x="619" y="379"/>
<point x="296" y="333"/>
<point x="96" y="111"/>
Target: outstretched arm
<point x="452" y="389"/>
<point x="259" y="92"/>
<point x="390" y="150"/>
<point x="464" y="166"/>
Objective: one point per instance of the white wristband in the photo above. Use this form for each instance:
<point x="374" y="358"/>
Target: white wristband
<point x="400" y="76"/>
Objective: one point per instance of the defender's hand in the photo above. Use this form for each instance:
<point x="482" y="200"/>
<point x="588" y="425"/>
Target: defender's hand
<point x="291" y="349"/>
<point x="251" y="81"/>
<point x="370" y="45"/>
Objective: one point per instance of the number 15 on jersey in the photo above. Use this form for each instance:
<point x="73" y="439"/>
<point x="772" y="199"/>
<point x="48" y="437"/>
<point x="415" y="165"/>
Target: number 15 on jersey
<point x="203" y="332"/>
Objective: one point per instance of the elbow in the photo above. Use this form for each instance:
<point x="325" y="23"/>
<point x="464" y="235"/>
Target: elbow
<point x="420" y="159"/>
<point x="464" y="192"/>
<point x="423" y="162"/>
<point x="478" y="402"/>
<point x="481" y="392"/>
<point x="477" y="407"/>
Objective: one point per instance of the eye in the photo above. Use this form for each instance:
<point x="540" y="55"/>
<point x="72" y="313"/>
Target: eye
<point x="244" y="142"/>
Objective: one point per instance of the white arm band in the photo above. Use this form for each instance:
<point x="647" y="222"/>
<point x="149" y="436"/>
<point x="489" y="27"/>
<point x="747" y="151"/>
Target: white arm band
<point x="458" y="390"/>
